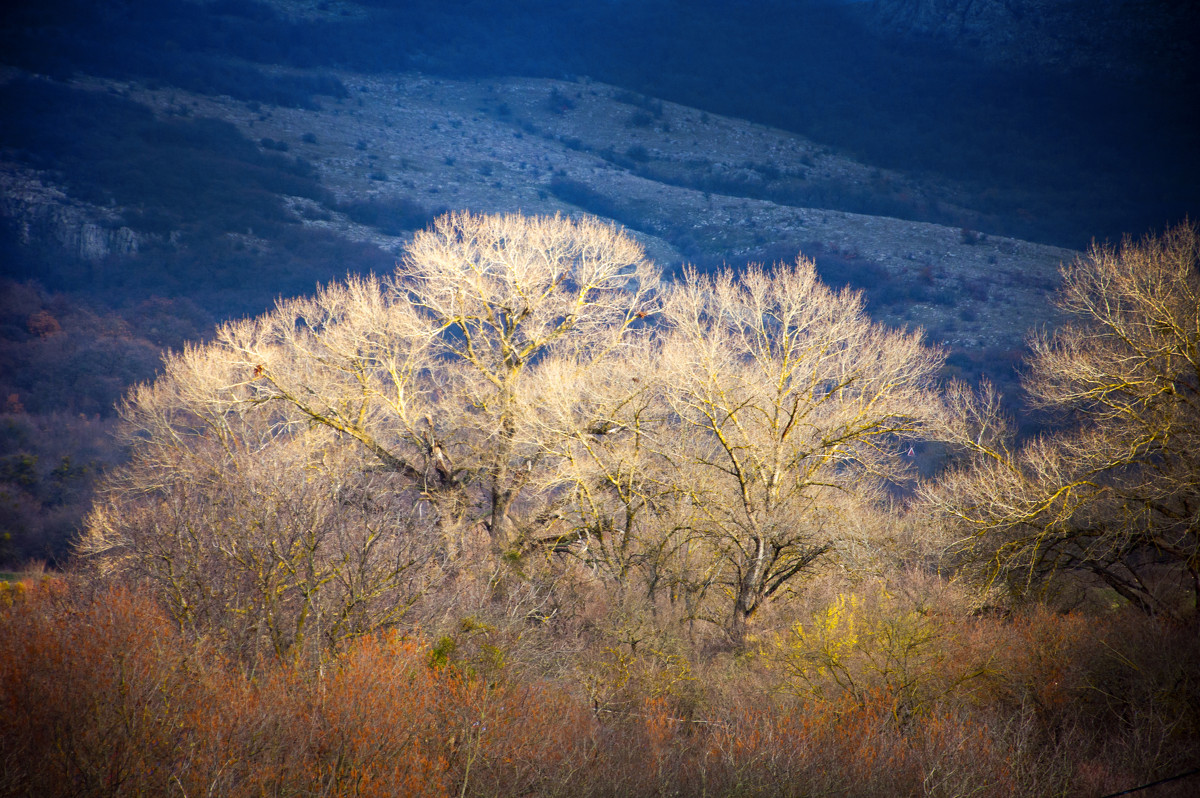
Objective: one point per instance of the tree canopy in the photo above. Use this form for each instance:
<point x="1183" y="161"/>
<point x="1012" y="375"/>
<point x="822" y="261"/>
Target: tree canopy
<point x="1117" y="493"/>
<point x="525" y="381"/>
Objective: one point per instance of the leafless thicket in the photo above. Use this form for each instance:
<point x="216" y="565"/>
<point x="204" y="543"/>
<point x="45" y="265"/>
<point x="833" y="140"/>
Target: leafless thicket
<point x="528" y="381"/>
<point x="252" y="525"/>
<point x="1117" y="495"/>
<point x="547" y="467"/>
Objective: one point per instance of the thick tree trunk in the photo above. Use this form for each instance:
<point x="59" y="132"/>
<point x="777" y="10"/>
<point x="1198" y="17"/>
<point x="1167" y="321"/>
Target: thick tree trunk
<point x="749" y="592"/>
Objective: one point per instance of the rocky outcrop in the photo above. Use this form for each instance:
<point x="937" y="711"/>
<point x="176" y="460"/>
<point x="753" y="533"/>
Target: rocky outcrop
<point x="43" y="215"/>
<point x="1130" y="38"/>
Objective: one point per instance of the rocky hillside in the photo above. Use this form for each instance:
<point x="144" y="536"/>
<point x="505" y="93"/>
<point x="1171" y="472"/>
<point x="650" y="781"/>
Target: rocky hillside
<point x="696" y="187"/>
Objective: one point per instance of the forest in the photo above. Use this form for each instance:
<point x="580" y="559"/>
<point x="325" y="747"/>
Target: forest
<point x="481" y="502"/>
<point x="526" y="518"/>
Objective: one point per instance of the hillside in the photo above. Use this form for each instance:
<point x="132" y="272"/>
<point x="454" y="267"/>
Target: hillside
<point x="177" y="164"/>
<point x="696" y="187"/>
<point x="1127" y="40"/>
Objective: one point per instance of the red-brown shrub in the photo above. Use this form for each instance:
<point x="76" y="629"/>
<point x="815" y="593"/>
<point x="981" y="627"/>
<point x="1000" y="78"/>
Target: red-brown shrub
<point x="101" y="695"/>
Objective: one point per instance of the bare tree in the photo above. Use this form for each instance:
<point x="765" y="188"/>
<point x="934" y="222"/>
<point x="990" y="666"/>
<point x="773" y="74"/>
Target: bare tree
<point x="253" y="526"/>
<point x="432" y="370"/>
<point x="620" y="510"/>
<point x="1118" y="495"/>
<point x="790" y="404"/>
<point x="306" y="454"/>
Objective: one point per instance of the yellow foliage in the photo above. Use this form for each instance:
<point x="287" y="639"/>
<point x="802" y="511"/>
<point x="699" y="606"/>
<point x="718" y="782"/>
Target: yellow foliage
<point x="862" y="643"/>
<point x="831" y="636"/>
<point x="11" y="593"/>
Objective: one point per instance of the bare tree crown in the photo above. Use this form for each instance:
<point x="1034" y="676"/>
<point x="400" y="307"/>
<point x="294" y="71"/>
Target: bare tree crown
<point x="530" y="380"/>
<point x="1118" y="496"/>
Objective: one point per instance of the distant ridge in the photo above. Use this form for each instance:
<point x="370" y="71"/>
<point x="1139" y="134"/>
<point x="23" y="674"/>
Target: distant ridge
<point x="1135" y="40"/>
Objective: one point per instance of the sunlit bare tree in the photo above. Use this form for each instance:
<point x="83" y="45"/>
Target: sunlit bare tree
<point x="255" y="527"/>
<point x="314" y="449"/>
<point x="432" y="371"/>
<point x="620" y="509"/>
<point x="790" y="405"/>
<point x="1118" y="495"/>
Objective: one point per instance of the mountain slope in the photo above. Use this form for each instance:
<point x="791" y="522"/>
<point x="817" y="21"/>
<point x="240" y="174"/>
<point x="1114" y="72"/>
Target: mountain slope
<point x="695" y="186"/>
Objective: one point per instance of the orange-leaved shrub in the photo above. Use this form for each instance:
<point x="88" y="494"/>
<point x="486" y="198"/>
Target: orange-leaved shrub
<point x="102" y="694"/>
